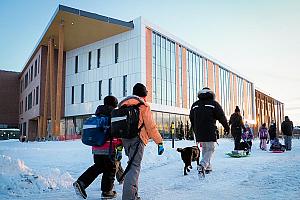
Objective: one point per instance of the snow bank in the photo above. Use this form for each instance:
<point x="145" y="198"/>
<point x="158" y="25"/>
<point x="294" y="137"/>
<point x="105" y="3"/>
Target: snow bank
<point x="19" y="180"/>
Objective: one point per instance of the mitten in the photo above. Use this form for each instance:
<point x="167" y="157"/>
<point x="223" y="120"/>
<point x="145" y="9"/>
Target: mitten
<point x="160" y="149"/>
<point x="119" y="152"/>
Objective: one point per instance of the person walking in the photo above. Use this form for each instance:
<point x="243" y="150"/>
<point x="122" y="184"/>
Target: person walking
<point x="272" y="131"/>
<point x="263" y="135"/>
<point x="104" y="158"/>
<point x="148" y="130"/>
<point x="287" y="130"/>
<point x="236" y="122"/>
<point x="203" y="115"/>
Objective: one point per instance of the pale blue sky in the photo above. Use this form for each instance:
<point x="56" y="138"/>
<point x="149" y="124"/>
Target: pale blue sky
<point x="257" y="38"/>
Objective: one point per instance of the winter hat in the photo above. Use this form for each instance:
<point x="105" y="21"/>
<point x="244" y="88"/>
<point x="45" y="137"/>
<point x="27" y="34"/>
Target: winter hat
<point x="237" y="109"/>
<point x="139" y="90"/>
<point x="286" y="118"/>
<point x="111" y="101"/>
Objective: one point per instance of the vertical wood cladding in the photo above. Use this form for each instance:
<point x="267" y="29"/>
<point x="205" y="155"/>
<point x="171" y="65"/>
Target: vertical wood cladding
<point x="149" y="64"/>
<point x="210" y="75"/>
<point x="267" y="109"/>
<point x="217" y="82"/>
<point x="184" y="78"/>
<point x="177" y="77"/>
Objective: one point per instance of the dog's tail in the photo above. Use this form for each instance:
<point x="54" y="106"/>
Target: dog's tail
<point x="179" y="149"/>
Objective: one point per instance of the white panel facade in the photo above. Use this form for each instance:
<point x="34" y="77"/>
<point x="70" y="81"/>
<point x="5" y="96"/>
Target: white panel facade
<point x="129" y="63"/>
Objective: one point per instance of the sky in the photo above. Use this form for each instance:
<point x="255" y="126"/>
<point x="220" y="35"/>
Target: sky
<point x="257" y="38"/>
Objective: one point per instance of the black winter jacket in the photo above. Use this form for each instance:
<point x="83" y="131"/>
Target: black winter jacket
<point x="272" y="131"/>
<point x="236" y="122"/>
<point x="287" y="127"/>
<point x="203" y="116"/>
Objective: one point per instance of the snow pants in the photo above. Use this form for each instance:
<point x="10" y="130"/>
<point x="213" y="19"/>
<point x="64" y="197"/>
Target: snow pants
<point x="237" y="141"/>
<point x="130" y="185"/>
<point x="263" y="144"/>
<point x="288" y="142"/>
<point x="208" y="149"/>
<point x="103" y="164"/>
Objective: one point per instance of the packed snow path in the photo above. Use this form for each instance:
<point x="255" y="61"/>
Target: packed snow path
<point x="46" y="170"/>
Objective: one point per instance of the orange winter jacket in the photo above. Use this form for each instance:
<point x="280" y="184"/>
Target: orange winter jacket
<point x="149" y="130"/>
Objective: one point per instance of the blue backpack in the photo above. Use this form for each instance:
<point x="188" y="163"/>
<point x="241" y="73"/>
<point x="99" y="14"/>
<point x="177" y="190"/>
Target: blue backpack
<point x="96" y="131"/>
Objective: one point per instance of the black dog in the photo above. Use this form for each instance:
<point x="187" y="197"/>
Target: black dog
<point x="189" y="154"/>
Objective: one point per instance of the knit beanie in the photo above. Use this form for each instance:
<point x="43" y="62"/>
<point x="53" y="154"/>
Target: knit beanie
<point x="237" y="109"/>
<point x="139" y="90"/>
<point x="111" y="101"/>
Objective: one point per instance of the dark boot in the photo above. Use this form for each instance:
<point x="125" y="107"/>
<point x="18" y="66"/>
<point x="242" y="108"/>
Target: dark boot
<point x="80" y="189"/>
<point x="109" y="195"/>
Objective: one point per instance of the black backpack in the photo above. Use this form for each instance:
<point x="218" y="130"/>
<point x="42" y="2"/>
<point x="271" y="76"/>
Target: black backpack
<point x="125" y="120"/>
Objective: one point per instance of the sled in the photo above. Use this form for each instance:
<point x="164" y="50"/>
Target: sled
<point x="237" y="154"/>
<point x="276" y="151"/>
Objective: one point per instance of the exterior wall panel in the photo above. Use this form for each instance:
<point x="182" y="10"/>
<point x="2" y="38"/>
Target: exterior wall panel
<point x="184" y="81"/>
<point x="149" y="64"/>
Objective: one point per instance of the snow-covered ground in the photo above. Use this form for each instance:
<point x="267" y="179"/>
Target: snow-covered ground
<point x="46" y="170"/>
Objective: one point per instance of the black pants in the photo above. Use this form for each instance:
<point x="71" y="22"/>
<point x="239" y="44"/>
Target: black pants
<point x="237" y="140"/>
<point x="103" y="164"/>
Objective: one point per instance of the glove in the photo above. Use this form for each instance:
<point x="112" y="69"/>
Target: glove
<point x="160" y="149"/>
<point x="119" y="152"/>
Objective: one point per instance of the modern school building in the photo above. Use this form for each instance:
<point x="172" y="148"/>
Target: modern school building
<point x="81" y="57"/>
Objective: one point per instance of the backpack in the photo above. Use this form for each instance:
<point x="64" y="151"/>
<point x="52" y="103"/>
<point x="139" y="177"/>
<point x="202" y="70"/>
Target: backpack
<point x="124" y="122"/>
<point x="95" y="131"/>
<point x="263" y="134"/>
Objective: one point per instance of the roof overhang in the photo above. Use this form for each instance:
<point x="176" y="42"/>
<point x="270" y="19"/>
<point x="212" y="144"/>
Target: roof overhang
<point x="80" y="28"/>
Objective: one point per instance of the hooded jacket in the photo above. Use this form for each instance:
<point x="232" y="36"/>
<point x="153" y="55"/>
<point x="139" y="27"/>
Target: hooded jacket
<point x="272" y="131"/>
<point x="105" y="148"/>
<point x="149" y="130"/>
<point x="236" y="122"/>
<point x="203" y="116"/>
<point x="287" y="127"/>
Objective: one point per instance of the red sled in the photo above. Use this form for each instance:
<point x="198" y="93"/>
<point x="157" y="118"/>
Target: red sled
<point x="277" y="151"/>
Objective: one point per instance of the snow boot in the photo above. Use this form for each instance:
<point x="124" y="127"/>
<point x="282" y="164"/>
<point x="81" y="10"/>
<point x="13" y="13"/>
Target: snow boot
<point x="201" y="171"/>
<point x="109" y="195"/>
<point x="79" y="189"/>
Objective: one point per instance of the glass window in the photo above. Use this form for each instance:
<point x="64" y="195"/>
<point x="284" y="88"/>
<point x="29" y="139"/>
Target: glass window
<point x="116" y="52"/>
<point x="100" y="90"/>
<point x="110" y="86"/>
<point x="125" y="86"/>
<point x="30" y="101"/>
<point x="82" y="93"/>
<point x="90" y="61"/>
<point x="98" y="57"/>
<point x="26" y="80"/>
<point x="76" y="64"/>
<point x="31" y="77"/>
<point x="35" y="68"/>
<point x="37" y="95"/>
<point x="26" y="104"/>
<point x="72" y="96"/>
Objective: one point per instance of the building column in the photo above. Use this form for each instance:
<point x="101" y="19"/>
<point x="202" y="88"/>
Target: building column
<point x="39" y="130"/>
<point x="46" y="97"/>
<point x="59" y="79"/>
<point x="52" y="85"/>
